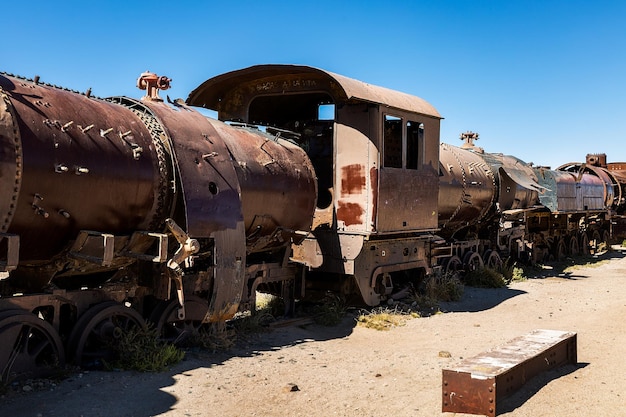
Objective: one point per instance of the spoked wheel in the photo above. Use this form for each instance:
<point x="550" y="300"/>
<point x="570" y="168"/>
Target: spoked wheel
<point x="176" y="331"/>
<point x="574" y="248"/>
<point x="452" y="265"/>
<point x="492" y="260"/>
<point x="472" y="261"/>
<point x="99" y="330"/>
<point x="29" y="347"/>
<point x="584" y="244"/>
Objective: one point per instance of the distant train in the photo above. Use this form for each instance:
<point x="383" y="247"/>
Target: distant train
<point x="119" y="211"/>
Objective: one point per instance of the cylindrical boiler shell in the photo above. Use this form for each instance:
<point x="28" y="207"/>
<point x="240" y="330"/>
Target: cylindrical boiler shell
<point x="278" y="186"/>
<point x="87" y="164"/>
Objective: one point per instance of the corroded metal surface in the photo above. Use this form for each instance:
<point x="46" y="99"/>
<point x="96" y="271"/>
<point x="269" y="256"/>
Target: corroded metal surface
<point x="74" y="146"/>
<point x="29" y="348"/>
<point x="209" y="184"/>
<point x="278" y="186"/>
<point x="290" y="78"/>
<point x="477" y="384"/>
<point x="466" y="188"/>
<point x="212" y="204"/>
<point x="10" y="160"/>
<point x="573" y="192"/>
<point x="610" y="189"/>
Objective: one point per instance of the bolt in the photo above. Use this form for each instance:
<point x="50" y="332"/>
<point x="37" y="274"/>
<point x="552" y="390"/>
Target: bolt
<point x="67" y="126"/>
<point x="60" y="168"/>
<point x="42" y="212"/>
<point x="137" y="150"/>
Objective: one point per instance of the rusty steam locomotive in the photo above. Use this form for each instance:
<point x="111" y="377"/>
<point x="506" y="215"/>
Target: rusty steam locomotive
<point x="117" y="211"/>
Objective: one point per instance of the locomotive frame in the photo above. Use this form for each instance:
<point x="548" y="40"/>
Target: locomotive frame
<point x="309" y="182"/>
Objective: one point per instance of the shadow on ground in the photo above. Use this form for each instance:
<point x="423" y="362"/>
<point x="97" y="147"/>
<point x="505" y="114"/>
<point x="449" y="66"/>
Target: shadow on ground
<point x="129" y="393"/>
<point x="519" y="397"/>
<point x="568" y="268"/>
<point x="479" y="299"/>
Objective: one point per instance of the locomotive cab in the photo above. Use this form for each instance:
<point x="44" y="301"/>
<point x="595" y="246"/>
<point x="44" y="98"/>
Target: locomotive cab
<point x="375" y="153"/>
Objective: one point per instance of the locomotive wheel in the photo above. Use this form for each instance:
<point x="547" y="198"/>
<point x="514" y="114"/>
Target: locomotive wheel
<point x="492" y="260"/>
<point x="31" y="347"/>
<point x="574" y="249"/>
<point x="606" y="238"/>
<point x="472" y="261"/>
<point x="584" y="244"/>
<point x="176" y="331"/>
<point x="560" y="250"/>
<point x="595" y="241"/>
<point x="98" y="330"/>
<point x="452" y="265"/>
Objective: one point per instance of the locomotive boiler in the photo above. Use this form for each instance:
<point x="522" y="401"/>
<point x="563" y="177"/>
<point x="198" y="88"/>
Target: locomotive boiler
<point x="118" y="211"/>
<point x="508" y="208"/>
<point x="115" y="210"/>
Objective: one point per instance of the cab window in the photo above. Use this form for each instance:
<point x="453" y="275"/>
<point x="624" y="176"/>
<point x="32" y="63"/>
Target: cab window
<point x="392" y="142"/>
<point x="414" y="141"/>
<point x="402" y="142"/>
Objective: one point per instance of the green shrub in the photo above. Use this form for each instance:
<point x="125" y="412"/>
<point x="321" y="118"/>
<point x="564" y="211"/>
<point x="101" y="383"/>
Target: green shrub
<point x="485" y="278"/>
<point x="444" y="287"/>
<point x="330" y="312"/>
<point x="141" y="350"/>
<point x="511" y="271"/>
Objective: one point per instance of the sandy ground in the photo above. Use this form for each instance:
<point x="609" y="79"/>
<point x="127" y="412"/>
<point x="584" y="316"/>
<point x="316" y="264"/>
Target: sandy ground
<point x="349" y="370"/>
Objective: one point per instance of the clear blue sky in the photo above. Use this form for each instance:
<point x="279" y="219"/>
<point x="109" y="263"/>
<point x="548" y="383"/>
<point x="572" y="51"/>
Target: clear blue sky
<point x="544" y="80"/>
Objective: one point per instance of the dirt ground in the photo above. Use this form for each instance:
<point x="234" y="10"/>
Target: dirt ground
<point x="350" y="370"/>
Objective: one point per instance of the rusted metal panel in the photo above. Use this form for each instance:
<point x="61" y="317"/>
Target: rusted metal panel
<point x="379" y="259"/>
<point x="87" y="164"/>
<point x="611" y="192"/>
<point x="616" y="166"/>
<point x="209" y="182"/>
<point x="516" y="182"/>
<point x="211" y="193"/>
<point x="356" y="157"/>
<point x="477" y="384"/>
<point x="278" y="186"/>
<point x="293" y="78"/>
<point x="573" y="192"/>
<point x="466" y="188"/>
<point x="10" y="160"/>
<point x="406" y="200"/>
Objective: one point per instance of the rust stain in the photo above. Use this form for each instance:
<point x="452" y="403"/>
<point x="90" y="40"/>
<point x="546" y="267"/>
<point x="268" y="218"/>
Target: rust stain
<point x="349" y="213"/>
<point x="374" y="185"/>
<point x="352" y="179"/>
